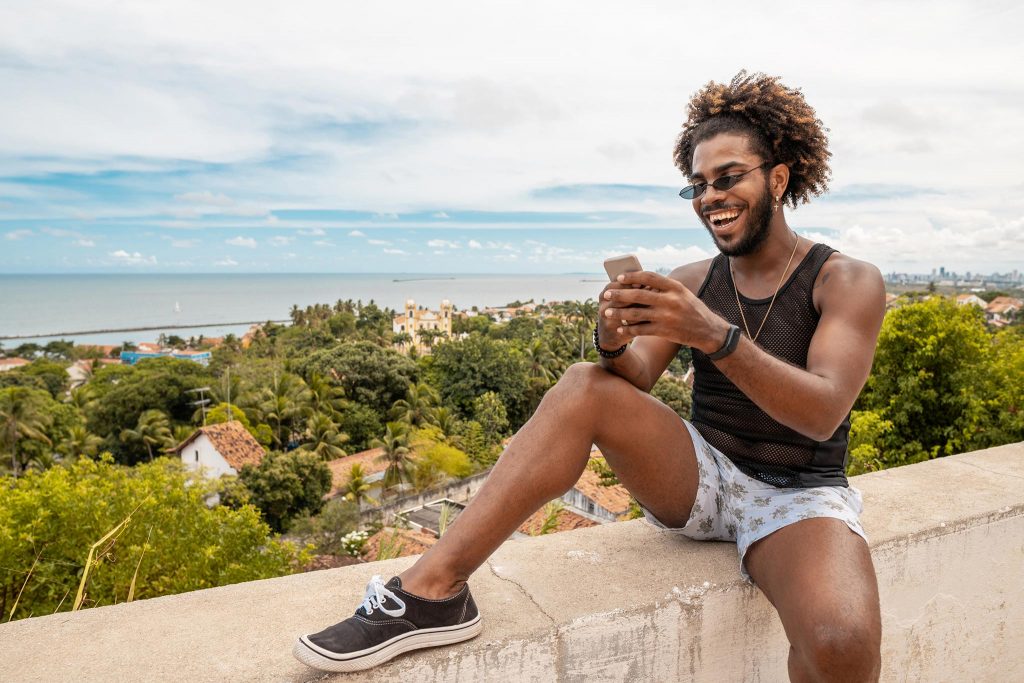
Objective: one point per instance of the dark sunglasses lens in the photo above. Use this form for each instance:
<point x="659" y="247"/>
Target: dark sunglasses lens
<point x="692" y="191"/>
<point x="726" y="182"/>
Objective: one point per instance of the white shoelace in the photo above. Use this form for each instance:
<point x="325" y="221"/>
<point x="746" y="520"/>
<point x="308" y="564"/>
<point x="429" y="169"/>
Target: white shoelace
<point x="376" y="593"/>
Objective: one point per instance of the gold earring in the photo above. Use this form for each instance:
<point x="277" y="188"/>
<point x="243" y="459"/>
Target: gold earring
<point x="777" y="203"/>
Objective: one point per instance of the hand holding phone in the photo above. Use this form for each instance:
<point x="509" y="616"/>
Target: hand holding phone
<point x="617" y="265"/>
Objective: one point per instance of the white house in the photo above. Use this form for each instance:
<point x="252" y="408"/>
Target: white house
<point x="220" y="449"/>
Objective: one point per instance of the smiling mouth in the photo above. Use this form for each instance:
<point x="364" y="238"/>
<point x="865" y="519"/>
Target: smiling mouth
<point x="723" y="219"/>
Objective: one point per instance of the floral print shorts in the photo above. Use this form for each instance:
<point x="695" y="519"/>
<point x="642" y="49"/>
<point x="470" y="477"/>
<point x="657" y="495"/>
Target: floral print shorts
<point x="731" y="506"/>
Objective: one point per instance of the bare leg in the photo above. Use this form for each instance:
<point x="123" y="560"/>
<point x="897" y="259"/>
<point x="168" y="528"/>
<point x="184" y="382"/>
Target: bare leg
<point x="644" y="441"/>
<point x="820" y="578"/>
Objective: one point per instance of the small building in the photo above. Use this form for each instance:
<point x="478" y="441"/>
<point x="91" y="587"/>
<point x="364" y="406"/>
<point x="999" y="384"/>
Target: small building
<point x="415" y="320"/>
<point x="1003" y="309"/>
<point x="592" y="500"/>
<point x="970" y="300"/>
<point x="220" y="449"/>
<point x="11" y="363"/>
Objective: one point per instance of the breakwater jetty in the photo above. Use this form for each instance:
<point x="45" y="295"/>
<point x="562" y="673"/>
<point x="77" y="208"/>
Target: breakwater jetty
<point x="79" y="333"/>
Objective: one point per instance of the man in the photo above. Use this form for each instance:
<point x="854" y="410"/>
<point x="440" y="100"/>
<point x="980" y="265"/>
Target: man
<point x="782" y="333"/>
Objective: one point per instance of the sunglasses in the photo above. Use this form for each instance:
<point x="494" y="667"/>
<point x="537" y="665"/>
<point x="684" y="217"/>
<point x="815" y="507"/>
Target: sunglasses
<point x="726" y="182"/>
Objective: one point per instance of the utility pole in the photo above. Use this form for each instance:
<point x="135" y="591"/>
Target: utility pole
<point x="202" y="402"/>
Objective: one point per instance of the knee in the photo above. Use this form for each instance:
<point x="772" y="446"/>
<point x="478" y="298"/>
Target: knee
<point x="847" y="651"/>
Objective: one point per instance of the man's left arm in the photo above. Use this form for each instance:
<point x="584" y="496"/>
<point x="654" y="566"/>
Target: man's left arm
<point x="814" y="401"/>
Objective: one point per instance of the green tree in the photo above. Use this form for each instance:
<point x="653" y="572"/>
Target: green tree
<point x="675" y="394"/>
<point x="22" y="417"/>
<point x="357" y="488"/>
<point x="416" y="407"/>
<point x="467" y="368"/>
<point x="171" y="543"/>
<point x="362" y="424"/>
<point x="285" y="486"/>
<point x="152" y="430"/>
<point x="79" y="442"/>
<point x="929" y="379"/>
<point x="489" y="411"/>
<point x="323" y="438"/>
<point x="397" y="454"/>
<point x="123" y="393"/>
<point x="371" y="375"/>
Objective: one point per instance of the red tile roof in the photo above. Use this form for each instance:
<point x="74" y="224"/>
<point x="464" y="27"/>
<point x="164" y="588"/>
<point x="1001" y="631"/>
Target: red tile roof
<point x="405" y="541"/>
<point x="234" y="443"/>
<point x="614" y="499"/>
<point x="567" y="520"/>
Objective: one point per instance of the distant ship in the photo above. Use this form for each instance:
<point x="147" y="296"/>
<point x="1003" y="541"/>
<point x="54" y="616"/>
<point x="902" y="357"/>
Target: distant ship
<point x="177" y="307"/>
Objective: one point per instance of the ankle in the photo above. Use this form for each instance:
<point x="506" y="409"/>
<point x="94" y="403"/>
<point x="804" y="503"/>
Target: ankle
<point x="430" y="588"/>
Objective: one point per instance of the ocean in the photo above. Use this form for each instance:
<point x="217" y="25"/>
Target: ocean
<point x="64" y="306"/>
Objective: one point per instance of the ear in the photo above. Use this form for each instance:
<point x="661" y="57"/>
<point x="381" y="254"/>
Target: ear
<point x="778" y="179"/>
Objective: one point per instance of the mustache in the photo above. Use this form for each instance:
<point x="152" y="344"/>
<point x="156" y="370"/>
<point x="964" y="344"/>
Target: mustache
<point x="717" y="207"/>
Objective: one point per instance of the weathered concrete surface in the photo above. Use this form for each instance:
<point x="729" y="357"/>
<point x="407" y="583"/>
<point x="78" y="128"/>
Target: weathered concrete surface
<point x="610" y="603"/>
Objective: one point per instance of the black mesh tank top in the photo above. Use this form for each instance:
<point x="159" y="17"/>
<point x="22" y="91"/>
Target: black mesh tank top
<point x="759" y="446"/>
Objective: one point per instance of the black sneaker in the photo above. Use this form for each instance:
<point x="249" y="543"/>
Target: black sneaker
<point x="388" y="623"/>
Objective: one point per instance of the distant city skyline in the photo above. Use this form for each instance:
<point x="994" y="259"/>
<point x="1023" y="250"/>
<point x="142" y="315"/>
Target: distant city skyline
<point x="224" y="137"/>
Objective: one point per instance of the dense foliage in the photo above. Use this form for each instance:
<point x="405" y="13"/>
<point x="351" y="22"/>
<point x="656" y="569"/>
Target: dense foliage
<point x="171" y="543"/>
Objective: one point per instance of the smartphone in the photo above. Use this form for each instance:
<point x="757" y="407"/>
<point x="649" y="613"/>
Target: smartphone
<point x="617" y="265"/>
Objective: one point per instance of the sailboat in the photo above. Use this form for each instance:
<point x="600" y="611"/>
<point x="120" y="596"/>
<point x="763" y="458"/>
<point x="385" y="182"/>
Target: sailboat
<point x="177" y="307"/>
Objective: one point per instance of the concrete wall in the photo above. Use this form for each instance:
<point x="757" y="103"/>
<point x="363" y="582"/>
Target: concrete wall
<point x="616" y="602"/>
<point x="459" y="491"/>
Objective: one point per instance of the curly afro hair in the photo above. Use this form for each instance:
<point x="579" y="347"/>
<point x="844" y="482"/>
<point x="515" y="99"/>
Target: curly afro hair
<point x="779" y="123"/>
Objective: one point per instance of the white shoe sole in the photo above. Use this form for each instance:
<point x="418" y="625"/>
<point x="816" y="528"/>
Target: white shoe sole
<point x="317" y="657"/>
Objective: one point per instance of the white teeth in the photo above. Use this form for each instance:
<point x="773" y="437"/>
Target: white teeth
<point x="723" y="216"/>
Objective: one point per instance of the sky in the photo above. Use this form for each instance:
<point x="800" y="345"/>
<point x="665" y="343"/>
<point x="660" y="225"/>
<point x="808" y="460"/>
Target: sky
<point x="467" y="137"/>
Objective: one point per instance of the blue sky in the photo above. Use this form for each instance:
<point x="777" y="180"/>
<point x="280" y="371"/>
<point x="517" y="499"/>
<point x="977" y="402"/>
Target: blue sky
<point x="228" y="137"/>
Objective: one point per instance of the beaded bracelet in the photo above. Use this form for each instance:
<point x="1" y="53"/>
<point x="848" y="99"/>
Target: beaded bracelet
<point x="607" y="354"/>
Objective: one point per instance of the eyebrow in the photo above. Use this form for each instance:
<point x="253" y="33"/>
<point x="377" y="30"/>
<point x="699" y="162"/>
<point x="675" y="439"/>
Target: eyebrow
<point x="719" y="169"/>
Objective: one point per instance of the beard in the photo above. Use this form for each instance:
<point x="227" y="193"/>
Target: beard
<point x="759" y="220"/>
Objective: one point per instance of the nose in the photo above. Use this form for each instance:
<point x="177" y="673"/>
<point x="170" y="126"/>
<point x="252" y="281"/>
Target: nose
<point x="711" y="196"/>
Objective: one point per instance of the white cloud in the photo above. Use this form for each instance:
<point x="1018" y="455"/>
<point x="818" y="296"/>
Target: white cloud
<point x="132" y="258"/>
<point x="242" y="242"/>
<point x="314" y="232"/>
<point x="443" y="244"/>
<point x="280" y="241"/>
<point x="226" y="261"/>
<point x="205" y="198"/>
<point x="378" y="242"/>
<point x="395" y="251"/>
<point x="357" y="233"/>
<point x="473" y="244"/>
<point x="84" y="243"/>
<point x="185" y="244"/>
<point x="669" y="256"/>
<point x="323" y="243"/>
<point x="17" y="234"/>
<point x="440" y="214"/>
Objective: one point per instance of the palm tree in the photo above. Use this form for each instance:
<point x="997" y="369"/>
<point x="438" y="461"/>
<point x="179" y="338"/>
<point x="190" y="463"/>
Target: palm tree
<point x="152" y="429"/>
<point x="542" y="361"/>
<point x="325" y="396"/>
<point x="445" y="420"/>
<point x="324" y="438"/>
<point x="426" y="475"/>
<point x="397" y="453"/>
<point x="284" y="404"/>
<point x="21" y="417"/>
<point x="79" y="441"/>
<point x="356" y="488"/>
<point x="415" y="408"/>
